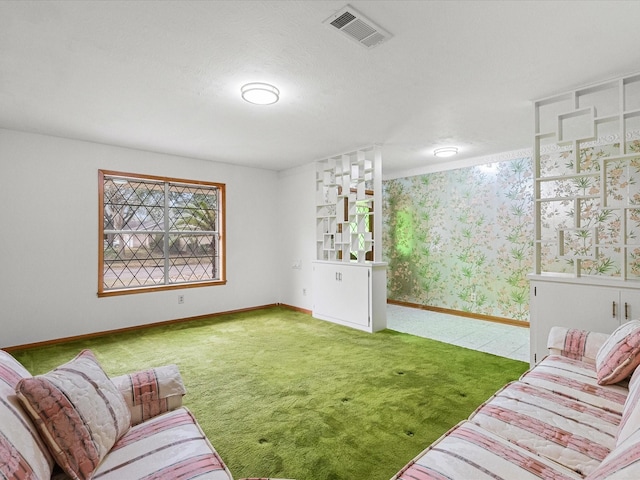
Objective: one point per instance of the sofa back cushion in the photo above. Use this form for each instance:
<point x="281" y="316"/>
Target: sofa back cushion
<point x="22" y="452"/>
<point x="620" y="354"/>
<point x="630" y="421"/>
<point x="622" y="463"/>
<point x="79" y="411"/>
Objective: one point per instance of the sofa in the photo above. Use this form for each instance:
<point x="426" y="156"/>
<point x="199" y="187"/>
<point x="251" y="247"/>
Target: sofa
<point x="575" y="415"/>
<point x="77" y="423"/>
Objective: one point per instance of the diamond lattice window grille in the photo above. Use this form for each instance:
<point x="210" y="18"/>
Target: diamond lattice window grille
<point x="159" y="232"/>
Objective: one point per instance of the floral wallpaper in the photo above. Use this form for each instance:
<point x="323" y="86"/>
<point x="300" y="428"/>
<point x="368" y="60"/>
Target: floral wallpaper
<point x="462" y="239"/>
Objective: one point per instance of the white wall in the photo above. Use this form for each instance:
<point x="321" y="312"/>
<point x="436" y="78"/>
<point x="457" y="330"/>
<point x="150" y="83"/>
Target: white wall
<point x="296" y="207"/>
<point x="49" y="246"/>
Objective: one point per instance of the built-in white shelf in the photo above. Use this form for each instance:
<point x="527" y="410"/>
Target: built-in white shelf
<point x="587" y="181"/>
<point x="348" y="206"/>
<point x="587" y="210"/>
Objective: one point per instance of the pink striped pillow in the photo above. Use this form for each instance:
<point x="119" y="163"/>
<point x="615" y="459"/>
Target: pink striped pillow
<point x="23" y="454"/>
<point x="620" y="354"/>
<point x="151" y="392"/>
<point x="79" y="412"/>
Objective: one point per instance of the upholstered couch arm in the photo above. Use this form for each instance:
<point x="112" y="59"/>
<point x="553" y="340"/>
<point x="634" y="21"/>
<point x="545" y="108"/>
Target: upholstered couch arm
<point x="577" y="344"/>
<point x="151" y="392"/>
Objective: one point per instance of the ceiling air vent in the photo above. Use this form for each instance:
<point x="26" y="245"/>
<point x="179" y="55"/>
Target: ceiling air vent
<point x="357" y="27"/>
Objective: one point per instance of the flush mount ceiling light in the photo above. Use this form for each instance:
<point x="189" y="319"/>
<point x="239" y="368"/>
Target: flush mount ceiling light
<point x="445" y="151"/>
<point x="260" y="93"/>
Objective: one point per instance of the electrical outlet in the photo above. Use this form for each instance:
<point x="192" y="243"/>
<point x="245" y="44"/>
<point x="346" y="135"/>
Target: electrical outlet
<point x="473" y="297"/>
<point x="304" y="292"/>
<point x="180" y="299"/>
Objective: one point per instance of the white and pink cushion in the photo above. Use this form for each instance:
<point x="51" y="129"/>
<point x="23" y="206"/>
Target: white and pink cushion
<point x="569" y="432"/>
<point x="79" y="412"/>
<point x="620" y="354"/>
<point x="22" y="453"/>
<point x="151" y="392"/>
<point x="169" y="446"/>
<point x="468" y="451"/>
<point x="576" y="344"/>
<point x="576" y="380"/>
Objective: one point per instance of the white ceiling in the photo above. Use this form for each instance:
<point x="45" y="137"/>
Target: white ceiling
<point x="165" y="76"/>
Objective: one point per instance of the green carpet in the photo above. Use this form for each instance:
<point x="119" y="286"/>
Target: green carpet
<point x="281" y="394"/>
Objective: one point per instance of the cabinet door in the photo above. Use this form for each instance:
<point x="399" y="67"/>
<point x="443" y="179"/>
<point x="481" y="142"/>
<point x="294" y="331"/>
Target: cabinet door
<point x="325" y="289"/>
<point x="586" y="307"/>
<point x="341" y="293"/>
<point x="629" y="305"/>
<point x="353" y="299"/>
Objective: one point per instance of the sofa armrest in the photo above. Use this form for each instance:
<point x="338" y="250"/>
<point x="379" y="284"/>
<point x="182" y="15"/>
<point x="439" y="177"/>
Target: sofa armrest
<point x="151" y="392"/>
<point x="577" y="344"/>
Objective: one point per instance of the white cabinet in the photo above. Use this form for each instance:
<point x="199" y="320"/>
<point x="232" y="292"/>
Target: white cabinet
<point x="351" y="294"/>
<point x="572" y="302"/>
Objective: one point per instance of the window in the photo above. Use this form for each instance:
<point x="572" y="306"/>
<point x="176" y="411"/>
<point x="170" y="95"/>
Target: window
<point x="159" y="233"/>
<point x="362" y="229"/>
<point x="360" y="226"/>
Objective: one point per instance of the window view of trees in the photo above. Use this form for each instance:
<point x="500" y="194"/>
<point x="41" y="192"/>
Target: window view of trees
<point x="159" y="232"/>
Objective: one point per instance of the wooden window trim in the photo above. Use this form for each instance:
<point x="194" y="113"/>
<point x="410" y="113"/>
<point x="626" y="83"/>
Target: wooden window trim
<point x="155" y="288"/>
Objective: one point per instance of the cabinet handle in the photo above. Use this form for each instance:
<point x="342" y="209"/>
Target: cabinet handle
<point x="626" y="311"/>
<point x="614" y="309"/>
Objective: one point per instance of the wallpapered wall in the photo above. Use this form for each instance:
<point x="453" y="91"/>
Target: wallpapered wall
<point x="462" y="239"/>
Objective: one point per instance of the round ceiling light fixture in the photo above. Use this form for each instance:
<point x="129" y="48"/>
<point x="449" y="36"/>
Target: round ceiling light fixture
<point x="260" y="93"/>
<point x="445" y="151"/>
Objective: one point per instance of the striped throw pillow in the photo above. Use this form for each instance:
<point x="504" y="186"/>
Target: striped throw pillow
<point x="620" y="354"/>
<point x="79" y="412"/>
<point x="151" y="392"/>
<point x="23" y="454"/>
